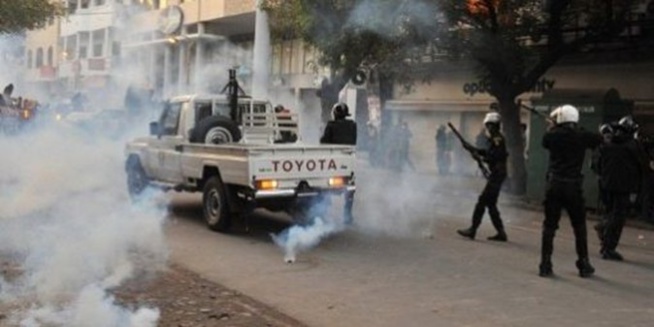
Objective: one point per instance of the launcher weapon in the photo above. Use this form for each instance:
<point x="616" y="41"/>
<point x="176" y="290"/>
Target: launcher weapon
<point x="471" y="149"/>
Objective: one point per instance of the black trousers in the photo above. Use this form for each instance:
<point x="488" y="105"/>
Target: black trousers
<point x="568" y="196"/>
<point x="616" y="213"/>
<point x="488" y="199"/>
<point x="347" y="209"/>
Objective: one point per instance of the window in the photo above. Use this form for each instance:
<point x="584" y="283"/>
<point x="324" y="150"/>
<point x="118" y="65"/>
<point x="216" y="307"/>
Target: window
<point x="39" y="57"/>
<point x="99" y="2"/>
<point x="98" y="43"/>
<point x="115" y="49"/>
<point x="29" y="59"/>
<point x="85" y="4"/>
<point x="50" y="55"/>
<point x="84" y="39"/>
<point x="72" y="6"/>
<point x="170" y="119"/>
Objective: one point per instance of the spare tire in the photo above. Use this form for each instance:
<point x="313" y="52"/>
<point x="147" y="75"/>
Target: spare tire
<point x="216" y="130"/>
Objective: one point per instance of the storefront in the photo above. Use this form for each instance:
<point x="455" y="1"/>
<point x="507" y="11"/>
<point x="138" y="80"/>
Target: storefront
<point x="457" y="96"/>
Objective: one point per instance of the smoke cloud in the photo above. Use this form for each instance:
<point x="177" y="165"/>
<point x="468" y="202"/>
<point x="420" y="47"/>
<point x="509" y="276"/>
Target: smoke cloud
<point x="69" y="230"/>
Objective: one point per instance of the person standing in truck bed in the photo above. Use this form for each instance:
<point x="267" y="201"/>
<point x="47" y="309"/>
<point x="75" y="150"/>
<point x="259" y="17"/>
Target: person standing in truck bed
<point x="341" y="130"/>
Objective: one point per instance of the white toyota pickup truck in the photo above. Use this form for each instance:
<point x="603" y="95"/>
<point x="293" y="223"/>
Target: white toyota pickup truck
<point x="230" y="151"/>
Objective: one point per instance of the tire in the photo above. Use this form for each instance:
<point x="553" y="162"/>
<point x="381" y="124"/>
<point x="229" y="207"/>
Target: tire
<point x="137" y="180"/>
<point x="216" y="130"/>
<point x="214" y="205"/>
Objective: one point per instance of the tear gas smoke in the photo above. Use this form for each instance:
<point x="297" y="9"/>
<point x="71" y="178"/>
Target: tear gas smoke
<point x="92" y="307"/>
<point x="297" y="239"/>
<point x="66" y="220"/>
<point x="67" y="223"/>
<point x="387" y="16"/>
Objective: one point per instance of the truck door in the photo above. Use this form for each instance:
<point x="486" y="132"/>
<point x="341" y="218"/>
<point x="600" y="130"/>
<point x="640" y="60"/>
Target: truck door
<point x="166" y="155"/>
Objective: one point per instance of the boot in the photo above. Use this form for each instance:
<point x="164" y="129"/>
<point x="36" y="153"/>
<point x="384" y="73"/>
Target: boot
<point x="546" y="250"/>
<point x="469" y="233"/>
<point x="476" y="221"/>
<point x="499" y="237"/>
<point x="545" y="268"/>
<point x="612" y="255"/>
<point x="585" y="269"/>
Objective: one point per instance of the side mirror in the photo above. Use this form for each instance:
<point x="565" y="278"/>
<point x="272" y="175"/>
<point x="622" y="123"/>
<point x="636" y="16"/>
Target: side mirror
<point x="154" y="128"/>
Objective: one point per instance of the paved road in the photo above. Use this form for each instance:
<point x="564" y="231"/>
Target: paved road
<point x="404" y="265"/>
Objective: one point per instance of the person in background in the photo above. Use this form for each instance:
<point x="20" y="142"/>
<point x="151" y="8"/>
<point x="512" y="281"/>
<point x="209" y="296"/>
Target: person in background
<point x="283" y="114"/>
<point x="405" y="136"/>
<point x="442" y="150"/>
<point x="620" y="169"/>
<point x="606" y="130"/>
<point x="374" y="157"/>
<point x="343" y="131"/>
<point x="567" y="145"/>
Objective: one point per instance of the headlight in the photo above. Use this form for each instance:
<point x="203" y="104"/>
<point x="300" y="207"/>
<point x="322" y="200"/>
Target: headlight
<point x="58" y="117"/>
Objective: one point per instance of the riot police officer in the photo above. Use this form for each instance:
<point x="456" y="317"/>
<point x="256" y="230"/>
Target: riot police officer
<point x="620" y="169"/>
<point x="495" y="157"/>
<point x="567" y="146"/>
<point x="341" y="130"/>
<point x="606" y="130"/>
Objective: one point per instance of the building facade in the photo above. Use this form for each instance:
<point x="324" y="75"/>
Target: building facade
<point x="177" y="46"/>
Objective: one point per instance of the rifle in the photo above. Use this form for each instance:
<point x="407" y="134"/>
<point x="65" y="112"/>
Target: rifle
<point x="536" y="112"/>
<point x="471" y="149"/>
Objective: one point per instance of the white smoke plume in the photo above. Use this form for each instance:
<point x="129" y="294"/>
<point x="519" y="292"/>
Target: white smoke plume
<point x="92" y="307"/>
<point x="69" y="227"/>
<point x="297" y="238"/>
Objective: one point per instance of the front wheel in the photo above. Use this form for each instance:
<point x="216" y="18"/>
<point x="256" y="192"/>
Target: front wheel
<point x="214" y="204"/>
<point x="137" y="180"/>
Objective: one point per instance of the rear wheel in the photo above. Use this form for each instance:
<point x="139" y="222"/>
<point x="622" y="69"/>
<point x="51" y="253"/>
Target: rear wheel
<point x="214" y="204"/>
<point x="137" y="180"/>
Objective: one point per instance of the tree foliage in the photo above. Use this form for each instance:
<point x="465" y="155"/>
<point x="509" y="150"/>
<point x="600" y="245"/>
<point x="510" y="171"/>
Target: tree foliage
<point x="18" y="15"/>
<point x="381" y="35"/>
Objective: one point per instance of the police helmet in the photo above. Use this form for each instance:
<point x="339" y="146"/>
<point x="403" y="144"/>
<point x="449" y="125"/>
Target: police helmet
<point x="340" y="110"/>
<point x="606" y="129"/>
<point x="565" y="114"/>
<point x="492" y="118"/>
<point x="628" y="124"/>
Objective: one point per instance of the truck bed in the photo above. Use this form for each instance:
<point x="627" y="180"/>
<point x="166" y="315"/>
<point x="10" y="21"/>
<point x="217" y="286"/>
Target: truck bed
<point x="241" y="164"/>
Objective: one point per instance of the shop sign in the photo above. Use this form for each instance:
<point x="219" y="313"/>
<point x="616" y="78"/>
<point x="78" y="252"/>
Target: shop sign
<point x="482" y="87"/>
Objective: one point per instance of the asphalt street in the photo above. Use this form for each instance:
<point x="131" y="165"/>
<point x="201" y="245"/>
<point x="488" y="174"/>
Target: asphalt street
<point x="403" y="264"/>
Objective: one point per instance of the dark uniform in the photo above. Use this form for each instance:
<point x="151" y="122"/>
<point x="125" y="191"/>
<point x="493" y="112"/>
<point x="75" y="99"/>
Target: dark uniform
<point x="342" y="131"/>
<point x="567" y="147"/>
<point x="495" y="157"/>
<point x="620" y="168"/>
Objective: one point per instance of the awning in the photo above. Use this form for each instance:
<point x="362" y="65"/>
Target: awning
<point x="175" y="39"/>
<point x="438" y="105"/>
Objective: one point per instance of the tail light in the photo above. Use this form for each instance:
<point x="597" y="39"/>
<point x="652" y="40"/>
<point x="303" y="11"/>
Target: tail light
<point x="339" y="181"/>
<point x="266" y="184"/>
